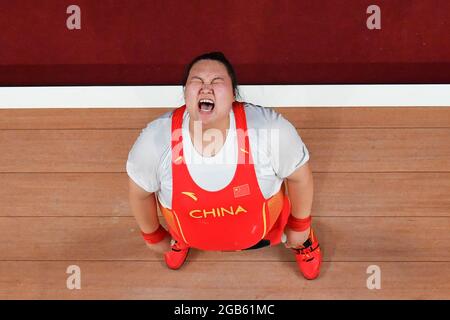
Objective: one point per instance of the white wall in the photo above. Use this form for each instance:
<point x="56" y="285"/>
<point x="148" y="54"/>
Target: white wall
<point x="268" y="96"/>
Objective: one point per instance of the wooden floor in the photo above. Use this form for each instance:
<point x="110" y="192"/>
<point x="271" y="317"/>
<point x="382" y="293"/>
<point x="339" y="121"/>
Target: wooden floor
<point x="382" y="197"/>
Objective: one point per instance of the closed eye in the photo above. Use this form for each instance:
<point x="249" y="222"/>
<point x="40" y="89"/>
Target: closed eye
<point x="196" y="80"/>
<point x="217" y="80"/>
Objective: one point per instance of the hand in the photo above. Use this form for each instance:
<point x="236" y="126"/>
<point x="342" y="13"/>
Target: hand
<point x="162" y="246"/>
<point x="295" y="239"/>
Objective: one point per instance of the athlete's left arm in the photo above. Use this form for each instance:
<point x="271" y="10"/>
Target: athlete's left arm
<point x="300" y="190"/>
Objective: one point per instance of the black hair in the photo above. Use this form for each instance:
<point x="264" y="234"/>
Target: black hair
<point x="215" y="56"/>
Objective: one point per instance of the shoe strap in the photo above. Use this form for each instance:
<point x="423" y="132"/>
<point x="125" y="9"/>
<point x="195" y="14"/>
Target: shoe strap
<point x="176" y="247"/>
<point x="306" y="250"/>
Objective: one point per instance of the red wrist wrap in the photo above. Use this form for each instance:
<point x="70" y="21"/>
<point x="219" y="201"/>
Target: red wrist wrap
<point x="156" y="236"/>
<point x="298" y="224"/>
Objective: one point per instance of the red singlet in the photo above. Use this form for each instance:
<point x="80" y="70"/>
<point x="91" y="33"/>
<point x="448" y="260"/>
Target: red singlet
<point x="236" y="217"/>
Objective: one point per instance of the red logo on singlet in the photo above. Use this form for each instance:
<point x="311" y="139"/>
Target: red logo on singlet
<point x="241" y="191"/>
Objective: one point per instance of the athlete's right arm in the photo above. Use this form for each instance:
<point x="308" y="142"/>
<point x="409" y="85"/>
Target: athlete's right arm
<point x="143" y="207"/>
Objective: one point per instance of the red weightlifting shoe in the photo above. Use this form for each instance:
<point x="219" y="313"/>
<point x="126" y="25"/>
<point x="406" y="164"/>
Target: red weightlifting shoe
<point x="177" y="256"/>
<point x="309" y="257"/>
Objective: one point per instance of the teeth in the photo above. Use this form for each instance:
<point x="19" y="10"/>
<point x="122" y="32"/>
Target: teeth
<point x="206" y="101"/>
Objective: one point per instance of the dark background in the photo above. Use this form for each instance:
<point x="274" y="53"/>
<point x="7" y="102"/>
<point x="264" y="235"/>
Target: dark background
<point x="138" y="42"/>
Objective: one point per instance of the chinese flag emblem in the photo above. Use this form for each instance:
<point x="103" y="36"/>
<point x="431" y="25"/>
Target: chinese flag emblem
<point x="241" y="191"/>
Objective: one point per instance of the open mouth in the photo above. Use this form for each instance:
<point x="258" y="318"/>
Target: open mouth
<point x="206" y="105"/>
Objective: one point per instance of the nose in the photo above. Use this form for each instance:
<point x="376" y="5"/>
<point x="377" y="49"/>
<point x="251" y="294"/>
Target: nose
<point x="206" y="87"/>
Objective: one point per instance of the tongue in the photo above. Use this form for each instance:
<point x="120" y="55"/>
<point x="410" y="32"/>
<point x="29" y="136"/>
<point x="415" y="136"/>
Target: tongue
<point x="206" y="106"/>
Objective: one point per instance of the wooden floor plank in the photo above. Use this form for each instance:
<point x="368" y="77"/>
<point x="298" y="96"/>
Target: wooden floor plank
<point x="117" y="238"/>
<point x="300" y="117"/>
<point x="378" y="150"/>
<point x="81" y="118"/>
<point x="222" y="280"/>
<point x="332" y="150"/>
<point x="336" y="194"/>
<point x="64" y="194"/>
<point x="65" y="150"/>
<point x="381" y="194"/>
<point x="367" y="117"/>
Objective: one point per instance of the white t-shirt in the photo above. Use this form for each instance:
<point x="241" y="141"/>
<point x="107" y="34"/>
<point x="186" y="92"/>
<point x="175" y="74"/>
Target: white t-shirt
<point x="276" y="148"/>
